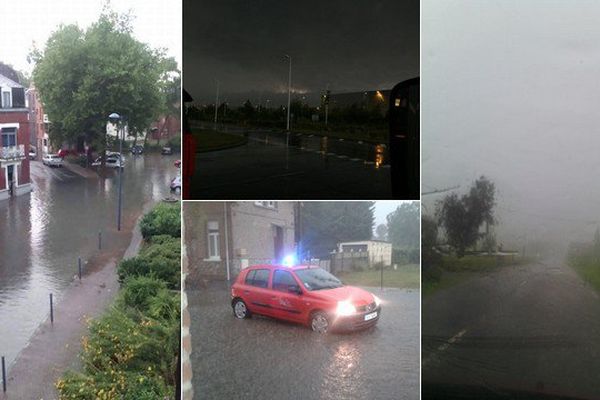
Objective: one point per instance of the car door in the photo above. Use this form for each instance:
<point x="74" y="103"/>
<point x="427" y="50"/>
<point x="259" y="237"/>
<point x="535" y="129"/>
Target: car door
<point x="256" y="291"/>
<point x="285" y="299"/>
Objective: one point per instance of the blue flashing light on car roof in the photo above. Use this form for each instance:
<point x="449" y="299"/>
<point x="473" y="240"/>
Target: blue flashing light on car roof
<point x="289" y="260"/>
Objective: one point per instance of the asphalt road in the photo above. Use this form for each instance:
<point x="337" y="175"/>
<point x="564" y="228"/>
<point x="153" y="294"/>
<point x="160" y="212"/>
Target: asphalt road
<point x="267" y="168"/>
<point x="532" y="328"/>
<point x="262" y="358"/>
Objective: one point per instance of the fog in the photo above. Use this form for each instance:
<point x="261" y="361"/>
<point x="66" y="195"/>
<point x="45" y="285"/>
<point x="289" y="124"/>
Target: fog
<point x="511" y="91"/>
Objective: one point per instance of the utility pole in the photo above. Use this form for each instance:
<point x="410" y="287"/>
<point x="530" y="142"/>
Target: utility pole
<point x="216" y="105"/>
<point x="289" y="92"/>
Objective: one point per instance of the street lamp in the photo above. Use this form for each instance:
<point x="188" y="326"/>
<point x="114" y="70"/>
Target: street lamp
<point x="216" y="105"/>
<point x="289" y="92"/>
<point x="115" y="119"/>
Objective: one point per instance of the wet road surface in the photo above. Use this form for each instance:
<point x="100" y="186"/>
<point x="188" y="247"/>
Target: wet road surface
<point x="532" y="328"/>
<point x="43" y="233"/>
<point x="280" y="166"/>
<point x="262" y="358"/>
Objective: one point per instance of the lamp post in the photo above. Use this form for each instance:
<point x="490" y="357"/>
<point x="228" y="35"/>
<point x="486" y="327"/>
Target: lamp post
<point x="216" y="105"/>
<point x="116" y="118"/>
<point x="289" y="92"/>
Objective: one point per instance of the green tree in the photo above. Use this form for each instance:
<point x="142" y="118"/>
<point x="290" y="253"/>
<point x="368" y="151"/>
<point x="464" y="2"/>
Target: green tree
<point x="83" y="76"/>
<point x="381" y="232"/>
<point x="462" y="217"/>
<point x="325" y="224"/>
<point x="403" y="226"/>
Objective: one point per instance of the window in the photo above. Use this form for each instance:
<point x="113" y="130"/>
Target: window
<point x="258" y="278"/>
<point x="9" y="137"/>
<point x="282" y="280"/>
<point x="6" y="103"/>
<point x="266" y="204"/>
<point x="214" y="252"/>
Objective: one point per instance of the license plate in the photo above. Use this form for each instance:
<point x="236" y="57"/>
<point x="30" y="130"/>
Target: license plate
<point x="371" y="316"/>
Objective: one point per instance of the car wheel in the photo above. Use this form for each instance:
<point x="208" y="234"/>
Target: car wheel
<point x="240" y="310"/>
<point x="319" y="322"/>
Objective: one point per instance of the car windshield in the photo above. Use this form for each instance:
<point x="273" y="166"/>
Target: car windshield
<point x="317" y="279"/>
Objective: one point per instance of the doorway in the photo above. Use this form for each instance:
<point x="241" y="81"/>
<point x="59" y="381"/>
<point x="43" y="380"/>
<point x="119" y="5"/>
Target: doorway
<point x="278" y="243"/>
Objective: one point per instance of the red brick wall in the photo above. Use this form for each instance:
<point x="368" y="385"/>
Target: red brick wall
<point x="2" y="179"/>
<point x="20" y="117"/>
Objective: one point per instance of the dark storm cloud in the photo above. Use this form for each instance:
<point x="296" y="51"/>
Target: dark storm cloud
<point x="348" y="45"/>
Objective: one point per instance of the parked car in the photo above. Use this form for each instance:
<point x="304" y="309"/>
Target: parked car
<point x="52" y="160"/>
<point x="176" y="184"/>
<point x="137" y="149"/>
<point x="113" y="160"/>
<point x="166" y="150"/>
<point x="62" y="153"/>
<point x="32" y="154"/>
<point x="303" y="294"/>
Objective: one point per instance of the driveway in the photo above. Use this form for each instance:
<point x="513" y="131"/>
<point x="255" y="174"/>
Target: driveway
<point x="261" y="358"/>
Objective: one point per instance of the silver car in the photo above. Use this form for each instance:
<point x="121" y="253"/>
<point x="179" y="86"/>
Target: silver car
<point x="52" y="160"/>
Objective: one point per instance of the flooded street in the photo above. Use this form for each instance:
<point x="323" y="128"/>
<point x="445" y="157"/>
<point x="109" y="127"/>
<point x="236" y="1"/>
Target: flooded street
<point x="42" y="234"/>
<point x="269" y="359"/>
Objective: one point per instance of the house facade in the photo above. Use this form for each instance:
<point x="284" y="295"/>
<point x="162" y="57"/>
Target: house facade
<point x="225" y="237"/>
<point x="39" y="123"/>
<point x="14" y="139"/>
<point x="376" y="251"/>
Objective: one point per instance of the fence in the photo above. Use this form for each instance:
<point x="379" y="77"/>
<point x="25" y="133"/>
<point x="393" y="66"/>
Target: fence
<point x="350" y="261"/>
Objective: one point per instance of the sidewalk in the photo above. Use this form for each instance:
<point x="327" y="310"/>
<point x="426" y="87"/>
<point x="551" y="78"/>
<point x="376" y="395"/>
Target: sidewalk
<point x="84" y="172"/>
<point x="54" y="347"/>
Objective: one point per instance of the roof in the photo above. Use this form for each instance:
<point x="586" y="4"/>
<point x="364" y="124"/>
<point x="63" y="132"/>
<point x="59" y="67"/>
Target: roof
<point x="6" y="82"/>
<point x="365" y="241"/>
<point x="273" y="266"/>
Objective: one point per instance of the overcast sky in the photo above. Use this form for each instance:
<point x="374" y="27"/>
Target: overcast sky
<point x="157" y="22"/>
<point x="511" y="90"/>
<point x="348" y="45"/>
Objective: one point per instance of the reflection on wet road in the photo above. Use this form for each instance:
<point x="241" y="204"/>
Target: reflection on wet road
<point x="292" y="166"/>
<point x="43" y="233"/>
<point x="262" y="358"/>
<point x="532" y="328"/>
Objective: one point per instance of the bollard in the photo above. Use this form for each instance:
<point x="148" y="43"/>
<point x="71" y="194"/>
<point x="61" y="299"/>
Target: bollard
<point x="79" y="262"/>
<point x="3" y="375"/>
<point x="99" y="240"/>
<point x="51" y="310"/>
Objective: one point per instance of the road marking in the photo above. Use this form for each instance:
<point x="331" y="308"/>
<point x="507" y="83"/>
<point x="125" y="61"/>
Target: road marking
<point x="445" y="346"/>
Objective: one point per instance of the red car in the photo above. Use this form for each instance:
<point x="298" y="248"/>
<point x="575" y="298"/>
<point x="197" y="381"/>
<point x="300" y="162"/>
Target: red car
<point x="304" y="294"/>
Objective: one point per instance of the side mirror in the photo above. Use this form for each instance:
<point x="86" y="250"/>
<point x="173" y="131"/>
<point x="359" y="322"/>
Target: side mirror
<point x="294" y="289"/>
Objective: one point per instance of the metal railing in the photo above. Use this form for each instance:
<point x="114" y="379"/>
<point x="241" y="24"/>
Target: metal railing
<point x="12" y="152"/>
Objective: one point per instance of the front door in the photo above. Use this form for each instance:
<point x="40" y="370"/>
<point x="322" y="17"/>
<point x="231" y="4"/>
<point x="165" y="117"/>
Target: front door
<point x="286" y="302"/>
<point x="10" y="173"/>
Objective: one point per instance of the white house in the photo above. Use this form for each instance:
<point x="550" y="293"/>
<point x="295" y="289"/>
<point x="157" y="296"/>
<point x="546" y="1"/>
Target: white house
<point x="378" y="250"/>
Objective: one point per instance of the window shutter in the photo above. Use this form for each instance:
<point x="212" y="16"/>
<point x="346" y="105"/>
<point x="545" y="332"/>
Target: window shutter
<point x="18" y="98"/>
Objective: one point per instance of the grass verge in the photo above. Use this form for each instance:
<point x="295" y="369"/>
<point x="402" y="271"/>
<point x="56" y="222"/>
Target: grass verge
<point x="209" y="140"/>
<point x="405" y="277"/>
<point x="588" y="267"/>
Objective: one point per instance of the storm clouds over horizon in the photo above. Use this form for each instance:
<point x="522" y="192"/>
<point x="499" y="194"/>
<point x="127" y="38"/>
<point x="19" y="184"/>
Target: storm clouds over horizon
<point x="348" y="46"/>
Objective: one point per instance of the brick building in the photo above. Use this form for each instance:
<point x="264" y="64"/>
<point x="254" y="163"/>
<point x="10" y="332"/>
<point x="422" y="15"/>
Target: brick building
<point x="39" y="123"/>
<point x="222" y="238"/>
<point x="14" y="139"/>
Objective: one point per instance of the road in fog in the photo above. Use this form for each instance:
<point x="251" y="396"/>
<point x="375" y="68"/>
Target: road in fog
<point x="533" y="328"/>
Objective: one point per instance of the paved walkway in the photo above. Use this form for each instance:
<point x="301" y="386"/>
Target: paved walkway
<point x="54" y="347"/>
<point x="84" y="172"/>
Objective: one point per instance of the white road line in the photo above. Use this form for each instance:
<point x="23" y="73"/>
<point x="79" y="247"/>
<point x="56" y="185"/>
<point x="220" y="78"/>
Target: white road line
<point x="445" y="346"/>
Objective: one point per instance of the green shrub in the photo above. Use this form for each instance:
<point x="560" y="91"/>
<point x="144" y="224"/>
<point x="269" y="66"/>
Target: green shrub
<point x="165" y="306"/>
<point x="138" y="291"/>
<point x="159" y="259"/>
<point x="164" y="219"/>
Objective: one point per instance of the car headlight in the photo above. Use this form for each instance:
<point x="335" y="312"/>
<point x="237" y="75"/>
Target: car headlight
<point x="377" y="300"/>
<point x="345" y="308"/>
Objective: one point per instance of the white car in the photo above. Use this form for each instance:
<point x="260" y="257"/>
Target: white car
<point x="176" y="184"/>
<point x="52" y="160"/>
<point x="32" y="154"/>
<point x="112" y="161"/>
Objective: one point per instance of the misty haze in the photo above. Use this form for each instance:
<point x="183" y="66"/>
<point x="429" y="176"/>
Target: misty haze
<point x="511" y="200"/>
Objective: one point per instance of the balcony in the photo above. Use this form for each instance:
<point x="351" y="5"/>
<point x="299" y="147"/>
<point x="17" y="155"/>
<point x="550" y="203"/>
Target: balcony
<point x="12" y="153"/>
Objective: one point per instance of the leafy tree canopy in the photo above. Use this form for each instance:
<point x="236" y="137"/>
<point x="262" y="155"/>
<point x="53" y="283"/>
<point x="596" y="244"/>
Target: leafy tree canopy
<point x="403" y="226"/>
<point x="325" y="224"/>
<point x="84" y="76"/>
<point x="462" y="217"/>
